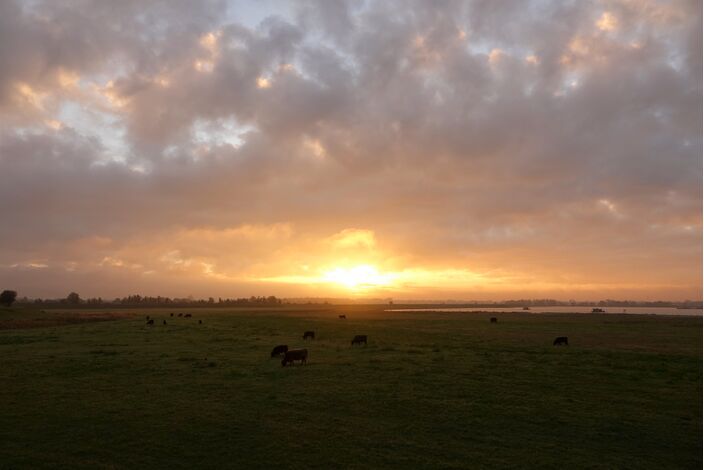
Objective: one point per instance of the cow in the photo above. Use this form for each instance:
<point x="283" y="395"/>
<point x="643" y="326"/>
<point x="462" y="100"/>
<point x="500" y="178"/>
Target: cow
<point x="180" y="314"/>
<point x="279" y="350"/>
<point x="172" y="314"/>
<point x="147" y="317"/>
<point x="309" y="334"/>
<point x="295" y="355"/>
<point x="494" y="320"/>
<point x="164" y="322"/>
<point x="342" y="317"/>
<point x="560" y="340"/>
<point x="200" y="322"/>
<point x="188" y="315"/>
<point x="150" y="322"/>
<point x="359" y="339"/>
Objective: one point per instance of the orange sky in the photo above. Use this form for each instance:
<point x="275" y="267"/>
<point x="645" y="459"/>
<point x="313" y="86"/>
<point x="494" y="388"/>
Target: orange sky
<point x="474" y="150"/>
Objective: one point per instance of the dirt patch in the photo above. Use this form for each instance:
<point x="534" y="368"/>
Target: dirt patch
<point x="60" y="319"/>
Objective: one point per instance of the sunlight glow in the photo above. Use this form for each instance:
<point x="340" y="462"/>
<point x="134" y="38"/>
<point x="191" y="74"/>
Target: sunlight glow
<point x="210" y="41"/>
<point x="314" y="147"/>
<point x="358" y="277"/>
<point x="495" y="56"/>
<point x="67" y="78"/>
<point x="203" y="65"/>
<point x="29" y="95"/>
<point x="607" y="22"/>
<point x="110" y="93"/>
<point x="54" y="124"/>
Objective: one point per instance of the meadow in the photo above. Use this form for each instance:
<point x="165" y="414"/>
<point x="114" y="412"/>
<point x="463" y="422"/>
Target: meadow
<point x="430" y="390"/>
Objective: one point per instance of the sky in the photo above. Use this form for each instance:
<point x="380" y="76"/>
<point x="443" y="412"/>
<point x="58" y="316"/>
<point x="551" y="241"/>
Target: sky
<point x="488" y="149"/>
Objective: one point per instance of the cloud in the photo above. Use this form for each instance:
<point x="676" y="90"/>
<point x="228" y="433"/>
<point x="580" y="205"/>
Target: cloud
<point x="558" y="142"/>
<point x="353" y="238"/>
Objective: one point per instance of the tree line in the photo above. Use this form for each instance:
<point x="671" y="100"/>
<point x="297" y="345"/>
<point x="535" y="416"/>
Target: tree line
<point x="8" y="297"/>
<point x="73" y="299"/>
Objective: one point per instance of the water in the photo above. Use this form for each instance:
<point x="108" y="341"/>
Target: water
<point x="562" y="309"/>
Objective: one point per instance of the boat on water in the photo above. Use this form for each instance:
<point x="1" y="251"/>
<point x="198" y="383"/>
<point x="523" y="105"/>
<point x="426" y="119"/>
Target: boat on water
<point x="598" y="310"/>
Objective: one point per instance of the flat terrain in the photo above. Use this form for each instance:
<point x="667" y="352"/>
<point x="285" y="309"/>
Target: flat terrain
<point x="429" y="391"/>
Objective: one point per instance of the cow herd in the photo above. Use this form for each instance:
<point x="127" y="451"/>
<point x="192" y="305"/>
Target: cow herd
<point x="289" y="356"/>
<point x="150" y="321"/>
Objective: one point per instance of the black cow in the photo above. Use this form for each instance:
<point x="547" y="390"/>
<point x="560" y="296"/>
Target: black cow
<point x="494" y="320"/>
<point x="342" y="317"/>
<point x="560" y="340"/>
<point x="180" y="314"/>
<point x="172" y="314"/>
<point x="309" y="334"/>
<point x="147" y="317"/>
<point x="188" y="315"/>
<point x="359" y="339"/>
<point x="279" y="350"/>
<point x="164" y="322"/>
<point x="295" y="355"/>
<point x="200" y="322"/>
<point x="150" y="322"/>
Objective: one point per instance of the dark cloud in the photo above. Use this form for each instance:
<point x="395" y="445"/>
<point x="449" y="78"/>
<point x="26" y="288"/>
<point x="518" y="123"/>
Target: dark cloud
<point x="555" y="143"/>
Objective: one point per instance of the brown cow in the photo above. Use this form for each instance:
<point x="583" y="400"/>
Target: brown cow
<point x="359" y="339"/>
<point x="309" y="334"/>
<point x="560" y="340"/>
<point x="150" y="322"/>
<point x="494" y="320"/>
<point x="295" y="355"/>
<point x="342" y="317"/>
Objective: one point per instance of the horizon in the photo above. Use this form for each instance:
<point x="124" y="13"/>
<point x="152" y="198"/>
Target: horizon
<point x="20" y="299"/>
<point x="352" y="150"/>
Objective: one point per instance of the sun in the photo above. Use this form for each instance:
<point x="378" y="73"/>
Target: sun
<point x="358" y="277"/>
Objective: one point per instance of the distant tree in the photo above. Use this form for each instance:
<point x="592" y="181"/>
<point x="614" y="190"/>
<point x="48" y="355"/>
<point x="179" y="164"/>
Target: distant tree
<point x="7" y="297"/>
<point x="73" y="298"/>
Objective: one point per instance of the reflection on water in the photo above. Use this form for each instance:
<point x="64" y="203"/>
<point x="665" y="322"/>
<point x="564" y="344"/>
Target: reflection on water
<point x="562" y="309"/>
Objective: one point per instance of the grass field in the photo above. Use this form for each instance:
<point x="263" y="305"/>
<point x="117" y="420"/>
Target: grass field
<point x="429" y="391"/>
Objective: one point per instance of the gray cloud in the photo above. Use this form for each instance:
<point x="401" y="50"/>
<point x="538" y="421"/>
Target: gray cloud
<point x="541" y="140"/>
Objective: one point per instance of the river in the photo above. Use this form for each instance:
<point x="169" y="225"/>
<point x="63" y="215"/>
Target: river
<point x="561" y="309"/>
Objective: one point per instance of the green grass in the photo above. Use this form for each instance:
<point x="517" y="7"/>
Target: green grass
<point x="429" y="391"/>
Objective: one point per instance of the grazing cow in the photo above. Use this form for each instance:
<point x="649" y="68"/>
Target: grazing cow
<point x="295" y="355"/>
<point x="180" y="314"/>
<point x="279" y="350"/>
<point x="560" y="340"/>
<point x="172" y="314"/>
<point x="359" y="339"/>
<point x="200" y="322"/>
<point x="188" y="315"/>
<point x="309" y="334"/>
<point x="342" y="317"/>
<point x="150" y="322"/>
<point x="164" y="322"/>
<point x="494" y="320"/>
